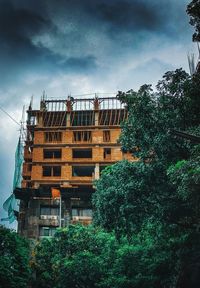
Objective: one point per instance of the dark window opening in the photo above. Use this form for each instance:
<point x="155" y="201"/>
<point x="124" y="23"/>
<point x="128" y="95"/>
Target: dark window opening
<point x="81" y="212"/>
<point x="102" y="168"/>
<point x="82" y="203"/>
<point x="52" y="154"/>
<point x="49" y="210"/>
<point x="107" y="153"/>
<point x="82" y="136"/>
<point x="82" y="153"/>
<point x="27" y="177"/>
<point x="112" y="117"/>
<point x="83" y="171"/>
<point x="49" y="171"/>
<point x="52" y="136"/>
<point x="29" y="167"/>
<point x="54" y="118"/>
<point x="56" y="170"/>
<point x="82" y="118"/>
<point x="106" y="136"/>
<point x="28" y="184"/>
<point x="47" y="231"/>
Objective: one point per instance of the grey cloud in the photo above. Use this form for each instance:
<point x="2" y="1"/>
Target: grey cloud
<point x="81" y="63"/>
<point x="134" y="15"/>
<point x="82" y="33"/>
<point x="17" y="26"/>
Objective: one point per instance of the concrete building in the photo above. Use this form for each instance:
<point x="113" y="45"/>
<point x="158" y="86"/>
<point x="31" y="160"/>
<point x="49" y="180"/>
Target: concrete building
<point x="68" y="144"/>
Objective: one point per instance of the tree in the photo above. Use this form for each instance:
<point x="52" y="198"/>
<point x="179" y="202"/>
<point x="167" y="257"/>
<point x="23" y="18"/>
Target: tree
<point x="14" y="260"/>
<point x="193" y="10"/>
<point x="77" y="256"/>
<point x="86" y="257"/>
<point x="152" y="116"/>
<point x="160" y="190"/>
<point x="127" y="194"/>
<point x="185" y="175"/>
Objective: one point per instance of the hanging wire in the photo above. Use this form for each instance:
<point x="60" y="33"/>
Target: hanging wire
<point x="10" y="116"/>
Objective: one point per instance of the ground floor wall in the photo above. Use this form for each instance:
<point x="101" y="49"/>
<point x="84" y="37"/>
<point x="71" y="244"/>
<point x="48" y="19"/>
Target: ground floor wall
<point x="39" y="217"/>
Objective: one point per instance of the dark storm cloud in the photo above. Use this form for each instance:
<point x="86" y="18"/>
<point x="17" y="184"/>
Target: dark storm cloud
<point x="21" y="20"/>
<point x="132" y="15"/>
<point x="17" y="26"/>
<point x="74" y="36"/>
<point x="19" y="23"/>
<point x="135" y="16"/>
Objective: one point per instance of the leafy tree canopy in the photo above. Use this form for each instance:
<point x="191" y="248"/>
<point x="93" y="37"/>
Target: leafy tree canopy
<point x="89" y="257"/>
<point x="193" y="10"/>
<point x="162" y="187"/>
<point x="14" y="260"/>
<point x="154" y="115"/>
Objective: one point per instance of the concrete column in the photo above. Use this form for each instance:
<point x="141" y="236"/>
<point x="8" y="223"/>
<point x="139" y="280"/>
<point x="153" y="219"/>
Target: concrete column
<point x="68" y="120"/>
<point x="96" y="118"/>
<point x="96" y="172"/>
<point x="40" y="117"/>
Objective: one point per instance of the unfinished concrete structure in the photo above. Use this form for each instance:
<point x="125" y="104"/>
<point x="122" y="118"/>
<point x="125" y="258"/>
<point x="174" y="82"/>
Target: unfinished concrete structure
<point x="68" y="143"/>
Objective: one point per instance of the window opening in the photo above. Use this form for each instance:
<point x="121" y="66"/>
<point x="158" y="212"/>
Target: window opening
<point x="102" y="168"/>
<point x="106" y="136"/>
<point x="51" y="171"/>
<point x="83" y="171"/>
<point x="82" y="118"/>
<point x="47" y="231"/>
<point x="81" y="212"/>
<point x="54" y="118"/>
<point x="52" y="136"/>
<point x="82" y="153"/>
<point x="107" y="153"/>
<point x="52" y="154"/>
<point x="82" y="136"/>
<point x="49" y="210"/>
<point x="29" y="167"/>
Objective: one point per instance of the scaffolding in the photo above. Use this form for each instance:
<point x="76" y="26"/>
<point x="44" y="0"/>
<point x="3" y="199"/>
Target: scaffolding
<point x="79" y="112"/>
<point x="11" y="204"/>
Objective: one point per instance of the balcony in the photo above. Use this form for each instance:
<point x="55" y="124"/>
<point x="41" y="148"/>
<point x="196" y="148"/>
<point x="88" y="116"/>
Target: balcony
<point x="85" y="220"/>
<point x="49" y="220"/>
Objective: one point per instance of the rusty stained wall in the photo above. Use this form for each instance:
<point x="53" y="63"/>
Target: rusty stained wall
<point x="30" y="219"/>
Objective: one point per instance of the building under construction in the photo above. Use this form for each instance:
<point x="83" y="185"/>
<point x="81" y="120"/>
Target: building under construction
<point x="68" y="143"/>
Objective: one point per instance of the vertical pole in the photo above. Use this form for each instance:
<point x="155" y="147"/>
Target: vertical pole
<point x="60" y="212"/>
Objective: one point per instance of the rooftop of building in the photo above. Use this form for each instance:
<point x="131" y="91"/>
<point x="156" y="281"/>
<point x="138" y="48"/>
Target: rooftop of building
<point x="81" y="103"/>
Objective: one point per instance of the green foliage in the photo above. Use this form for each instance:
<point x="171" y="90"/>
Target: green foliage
<point x="102" y="261"/>
<point x="193" y="10"/>
<point x="77" y="256"/>
<point x="14" y="260"/>
<point x="185" y="175"/>
<point x="160" y="190"/>
<point x="127" y="194"/>
<point x="152" y="116"/>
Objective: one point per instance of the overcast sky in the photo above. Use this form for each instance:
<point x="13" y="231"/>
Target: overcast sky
<point x="82" y="46"/>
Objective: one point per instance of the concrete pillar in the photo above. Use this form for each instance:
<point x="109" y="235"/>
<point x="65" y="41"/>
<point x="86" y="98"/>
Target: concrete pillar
<point x="96" y="171"/>
<point x="68" y="120"/>
<point x="96" y="118"/>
